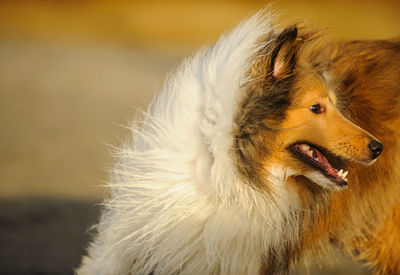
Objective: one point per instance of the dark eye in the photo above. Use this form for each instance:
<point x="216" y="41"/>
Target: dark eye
<point x="317" y="109"/>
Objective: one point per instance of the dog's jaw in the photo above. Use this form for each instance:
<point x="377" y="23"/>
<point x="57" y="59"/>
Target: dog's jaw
<point x="279" y="176"/>
<point x="318" y="178"/>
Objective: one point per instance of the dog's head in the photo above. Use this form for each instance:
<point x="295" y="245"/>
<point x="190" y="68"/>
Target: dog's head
<point x="290" y="118"/>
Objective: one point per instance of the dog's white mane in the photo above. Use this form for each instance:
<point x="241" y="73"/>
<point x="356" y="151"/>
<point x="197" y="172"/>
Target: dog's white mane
<point x="177" y="202"/>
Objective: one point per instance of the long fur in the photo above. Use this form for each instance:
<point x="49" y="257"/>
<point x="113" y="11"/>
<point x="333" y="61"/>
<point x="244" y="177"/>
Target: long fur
<point x="177" y="202"/>
<point x="200" y="189"/>
<point x="364" y="220"/>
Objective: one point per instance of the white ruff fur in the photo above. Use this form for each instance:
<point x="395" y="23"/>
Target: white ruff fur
<point x="177" y="203"/>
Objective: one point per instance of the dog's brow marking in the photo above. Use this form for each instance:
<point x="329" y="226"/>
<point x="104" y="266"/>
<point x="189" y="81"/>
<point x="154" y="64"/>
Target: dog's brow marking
<point x="332" y="97"/>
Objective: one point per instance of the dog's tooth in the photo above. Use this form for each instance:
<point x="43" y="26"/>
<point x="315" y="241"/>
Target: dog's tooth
<point x="340" y="172"/>
<point x="344" y="175"/>
<point x="310" y="153"/>
<point x="305" y="147"/>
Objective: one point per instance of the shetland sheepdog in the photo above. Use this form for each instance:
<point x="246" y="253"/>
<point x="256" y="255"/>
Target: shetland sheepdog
<point x="258" y="150"/>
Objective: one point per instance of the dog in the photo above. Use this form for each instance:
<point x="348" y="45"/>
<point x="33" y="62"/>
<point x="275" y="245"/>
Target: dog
<point x="258" y="151"/>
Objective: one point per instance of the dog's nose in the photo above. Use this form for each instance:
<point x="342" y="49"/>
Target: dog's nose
<point x="376" y="148"/>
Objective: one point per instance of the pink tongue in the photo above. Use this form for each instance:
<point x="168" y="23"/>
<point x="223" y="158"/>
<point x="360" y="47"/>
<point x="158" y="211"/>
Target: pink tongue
<point x="327" y="166"/>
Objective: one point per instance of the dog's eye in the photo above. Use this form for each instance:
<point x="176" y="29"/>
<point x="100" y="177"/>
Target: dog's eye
<point x="317" y="109"/>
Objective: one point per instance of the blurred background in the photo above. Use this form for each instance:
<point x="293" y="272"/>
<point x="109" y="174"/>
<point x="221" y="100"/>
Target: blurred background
<point x="73" y="73"/>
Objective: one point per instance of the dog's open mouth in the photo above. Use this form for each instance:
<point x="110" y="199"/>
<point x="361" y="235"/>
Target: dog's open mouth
<point x="330" y="165"/>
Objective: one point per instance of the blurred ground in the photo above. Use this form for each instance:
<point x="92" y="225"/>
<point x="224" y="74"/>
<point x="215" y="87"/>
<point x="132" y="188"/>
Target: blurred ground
<point x="73" y="72"/>
<point x="48" y="236"/>
<point x="43" y="237"/>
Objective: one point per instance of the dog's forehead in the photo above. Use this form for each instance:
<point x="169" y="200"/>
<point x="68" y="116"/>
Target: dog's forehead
<point x="314" y="89"/>
<point x="332" y="96"/>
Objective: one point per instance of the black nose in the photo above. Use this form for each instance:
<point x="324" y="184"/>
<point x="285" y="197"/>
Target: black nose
<point x="376" y="148"/>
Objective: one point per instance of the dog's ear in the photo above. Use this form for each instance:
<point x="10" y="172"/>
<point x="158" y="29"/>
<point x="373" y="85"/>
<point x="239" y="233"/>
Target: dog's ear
<point x="284" y="57"/>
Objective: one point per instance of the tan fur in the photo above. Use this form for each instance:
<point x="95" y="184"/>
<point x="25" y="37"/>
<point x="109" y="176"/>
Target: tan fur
<point x="257" y="140"/>
<point x="330" y="129"/>
<point x="361" y="103"/>
<point x="365" y="219"/>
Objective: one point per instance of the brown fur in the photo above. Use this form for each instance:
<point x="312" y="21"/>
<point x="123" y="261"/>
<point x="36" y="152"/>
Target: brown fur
<point x="370" y="73"/>
<point x="364" y="220"/>
<point x="362" y="103"/>
<point x="267" y="99"/>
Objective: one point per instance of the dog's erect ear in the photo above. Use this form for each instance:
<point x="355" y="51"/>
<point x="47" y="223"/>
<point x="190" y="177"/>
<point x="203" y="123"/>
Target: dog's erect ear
<point x="284" y="57"/>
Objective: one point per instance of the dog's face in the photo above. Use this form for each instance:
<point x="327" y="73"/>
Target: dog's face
<point x="316" y="140"/>
<point x="302" y="130"/>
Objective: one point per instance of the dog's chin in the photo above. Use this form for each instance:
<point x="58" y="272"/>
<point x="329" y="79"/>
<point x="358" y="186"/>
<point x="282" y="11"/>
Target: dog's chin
<point x="329" y="184"/>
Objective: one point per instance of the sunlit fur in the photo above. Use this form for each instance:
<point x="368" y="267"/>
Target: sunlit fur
<point x="208" y="186"/>
<point x="264" y="136"/>
<point x="177" y="202"/>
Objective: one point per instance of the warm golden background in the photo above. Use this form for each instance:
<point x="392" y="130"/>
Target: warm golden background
<point x="72" y="73"/>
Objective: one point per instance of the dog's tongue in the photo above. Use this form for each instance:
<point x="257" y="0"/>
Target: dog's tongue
<point x="325" y="163"/>
<point x="321" y="159"/>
